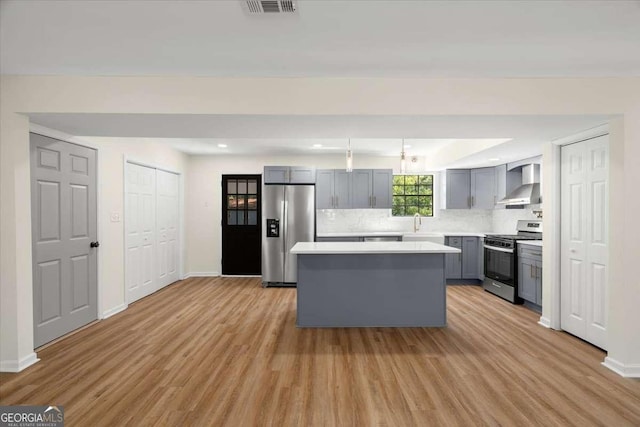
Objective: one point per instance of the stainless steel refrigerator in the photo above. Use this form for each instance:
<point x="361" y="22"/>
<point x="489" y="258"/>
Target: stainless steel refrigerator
<point x="288" y="217"/>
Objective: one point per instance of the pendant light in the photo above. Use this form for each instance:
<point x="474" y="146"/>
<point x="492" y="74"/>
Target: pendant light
<point x="349" y="157"/>
<point x="403" y="160"/>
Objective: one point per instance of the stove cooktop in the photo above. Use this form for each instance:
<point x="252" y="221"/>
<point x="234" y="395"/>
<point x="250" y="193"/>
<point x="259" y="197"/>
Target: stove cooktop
<point x="514" y="237"/>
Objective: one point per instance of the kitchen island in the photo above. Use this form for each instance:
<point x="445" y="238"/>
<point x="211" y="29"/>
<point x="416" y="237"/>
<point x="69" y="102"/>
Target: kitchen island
<point x="371" y="284"/>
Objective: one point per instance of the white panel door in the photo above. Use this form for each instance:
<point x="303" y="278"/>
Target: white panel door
<point x="140" y="232"/>
<point x="168" y="203"/>
<point x="64" y="232"/>
<point x="584" y="240"/>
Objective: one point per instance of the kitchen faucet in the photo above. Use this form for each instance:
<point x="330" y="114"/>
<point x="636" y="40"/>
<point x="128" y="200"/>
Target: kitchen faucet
<point x="417" y="222"/>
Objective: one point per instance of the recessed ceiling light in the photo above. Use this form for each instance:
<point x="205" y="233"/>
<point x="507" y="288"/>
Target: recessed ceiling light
<point x="407" y="146"/>
<point x="494" y="159"/>
<point x="317" y="145"/>
<point x="222" y="145"/>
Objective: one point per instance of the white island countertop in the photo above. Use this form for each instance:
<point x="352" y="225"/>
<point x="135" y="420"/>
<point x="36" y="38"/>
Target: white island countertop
<point x="399" y="233"/>
<point x="326" y="248"/>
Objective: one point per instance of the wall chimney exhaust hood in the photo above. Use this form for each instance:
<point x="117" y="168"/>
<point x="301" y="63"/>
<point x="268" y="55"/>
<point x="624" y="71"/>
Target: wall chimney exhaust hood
<point x="529" y="192"/>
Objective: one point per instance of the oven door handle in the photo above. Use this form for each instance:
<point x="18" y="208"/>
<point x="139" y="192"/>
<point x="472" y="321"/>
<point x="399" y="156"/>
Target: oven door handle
<point x="493" y="248"/>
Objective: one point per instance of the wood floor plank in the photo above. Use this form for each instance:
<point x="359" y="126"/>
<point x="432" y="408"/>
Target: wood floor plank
<point x="225" y="351"/>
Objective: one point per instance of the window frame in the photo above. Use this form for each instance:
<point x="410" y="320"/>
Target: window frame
<point x="417" y="192"/>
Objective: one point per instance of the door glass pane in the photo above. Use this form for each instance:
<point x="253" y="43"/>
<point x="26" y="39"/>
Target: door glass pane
<point x="252" y="201"/>
<point x="240" y="217"/>
<point x="252" y="218"/>
<point x="241" y="200"/>
<point x="232" y="186"/>
<point x="252" y="186"/>
<point x="232" y="202"/>
<point x="231" y="217"/>
<point x="242" y="186"/>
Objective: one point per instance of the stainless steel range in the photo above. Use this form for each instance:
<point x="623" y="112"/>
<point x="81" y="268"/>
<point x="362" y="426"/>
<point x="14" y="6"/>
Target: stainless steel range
<point x="501" y="260"/>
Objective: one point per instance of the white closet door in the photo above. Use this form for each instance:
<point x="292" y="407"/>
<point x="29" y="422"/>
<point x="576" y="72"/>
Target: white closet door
<point x="140" y="231"/>
<point x="585" y="239"/>
<point x="168" y="205"/>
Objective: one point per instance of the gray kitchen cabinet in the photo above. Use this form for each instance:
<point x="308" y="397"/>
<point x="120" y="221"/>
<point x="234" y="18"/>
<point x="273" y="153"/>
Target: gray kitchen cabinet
<point x="472" y="188"/>
<point x="342" y="189"/>
<point x="289" y="175"/>
<point x="530" y="273"/>
<point x="362" y="188"/>
<point x="333" y="189"/>
<point x="325" y="189"/>
<point x="483" y="184"/>
<point x="458" y="189"/>
<point x="382" y="188"/>
<point x="453" y="262"/>
<point x="465" y="265"/>
<point x="372" y="188"/>
<point x="470" y="254"/>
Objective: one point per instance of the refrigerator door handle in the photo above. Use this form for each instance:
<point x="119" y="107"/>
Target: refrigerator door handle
<point x="283" y="221"/>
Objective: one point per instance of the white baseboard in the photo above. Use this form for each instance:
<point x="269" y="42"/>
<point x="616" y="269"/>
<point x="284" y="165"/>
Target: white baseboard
<point x="627" y="371"/>
<point x="201" y="274"/>
<point x="113" y="311"/>
<point x="544" y="322"/>
<point x="18" y="365"/>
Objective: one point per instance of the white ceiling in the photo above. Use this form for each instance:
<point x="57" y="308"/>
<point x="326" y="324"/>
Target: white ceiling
<point x="326" y="38"/>
<point x="504" y="137"/>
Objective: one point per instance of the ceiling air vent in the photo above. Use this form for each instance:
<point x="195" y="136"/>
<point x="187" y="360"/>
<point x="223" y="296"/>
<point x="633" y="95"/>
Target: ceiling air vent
<point x="259" y="7"/>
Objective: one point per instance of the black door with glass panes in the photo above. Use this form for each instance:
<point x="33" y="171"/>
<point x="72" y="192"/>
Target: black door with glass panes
<point x="241" y="225"/>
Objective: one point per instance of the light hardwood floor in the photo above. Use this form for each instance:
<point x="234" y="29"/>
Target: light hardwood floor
<point x="226" y="352"/>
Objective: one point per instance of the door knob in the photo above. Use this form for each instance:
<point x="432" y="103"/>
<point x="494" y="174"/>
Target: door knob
<point x="94" y="244"/>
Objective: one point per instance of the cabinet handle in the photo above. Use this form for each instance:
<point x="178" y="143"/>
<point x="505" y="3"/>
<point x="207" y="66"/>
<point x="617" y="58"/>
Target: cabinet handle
<point x="469" y="201"/>
<point x="370" y="201"/>
<point x="375" y="201"/>
<point x="333" y="203"/>
<point x="337" y="201"/>
<point x="473" y="201"/>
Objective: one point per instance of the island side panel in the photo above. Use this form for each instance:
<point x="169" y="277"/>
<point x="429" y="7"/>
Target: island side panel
<point x="371" y="290"/>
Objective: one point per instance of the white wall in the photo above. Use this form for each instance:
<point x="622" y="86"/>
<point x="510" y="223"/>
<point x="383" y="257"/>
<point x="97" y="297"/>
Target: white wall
<point x="111" y="155"/>
<point x="202" y="95"/>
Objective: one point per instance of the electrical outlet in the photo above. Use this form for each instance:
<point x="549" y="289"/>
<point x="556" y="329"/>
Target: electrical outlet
<point x="115" y="216"/>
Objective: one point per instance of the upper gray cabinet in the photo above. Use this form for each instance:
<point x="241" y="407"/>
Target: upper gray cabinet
<point x="471" y="188"/>
<point x="458" y="189"/>
<point x="483" y="184"/>
<point x="382" y="188"/>
<point x="360" y="189"/>
<point x="333" y="189"/>
<point x="289" y="175"/>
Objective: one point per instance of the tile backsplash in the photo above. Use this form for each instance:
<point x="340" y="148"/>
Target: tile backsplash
<point x="367" y="220"/>
<point x="505" y="221"/>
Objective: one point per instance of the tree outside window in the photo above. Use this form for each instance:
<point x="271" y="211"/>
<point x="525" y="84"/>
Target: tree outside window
<point x="412" y="194"/>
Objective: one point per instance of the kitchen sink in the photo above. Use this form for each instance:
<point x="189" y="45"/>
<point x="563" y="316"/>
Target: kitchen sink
<point x="423" y="237"/>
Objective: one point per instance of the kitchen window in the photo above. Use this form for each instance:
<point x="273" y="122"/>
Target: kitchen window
<point x="412" y="194"/>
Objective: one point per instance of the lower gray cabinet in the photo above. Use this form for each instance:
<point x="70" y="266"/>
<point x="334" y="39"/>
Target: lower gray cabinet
<point x="530" y="273"/>
<point x="470" y="254"/>
<point x="453" y="262"/>
<point x="464" y="265"/>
